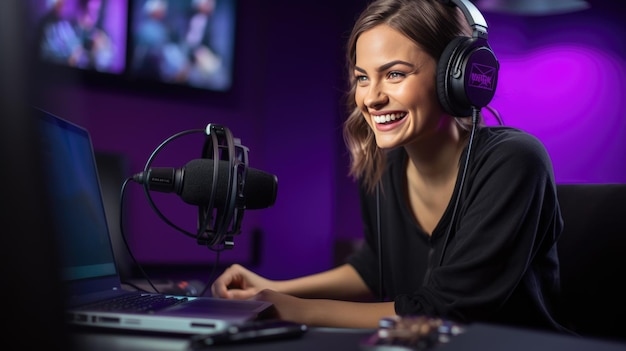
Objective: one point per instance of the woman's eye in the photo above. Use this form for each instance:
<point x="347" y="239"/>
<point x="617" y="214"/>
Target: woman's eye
<point x="395" y="75"/>
<point x="361" y="79"/>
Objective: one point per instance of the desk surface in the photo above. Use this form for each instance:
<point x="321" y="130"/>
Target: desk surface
<point x="478" y="337"/>
<point x="318" y="339"/>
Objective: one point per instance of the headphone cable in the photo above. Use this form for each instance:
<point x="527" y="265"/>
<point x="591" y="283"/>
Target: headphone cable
<point x="475" y="113"/>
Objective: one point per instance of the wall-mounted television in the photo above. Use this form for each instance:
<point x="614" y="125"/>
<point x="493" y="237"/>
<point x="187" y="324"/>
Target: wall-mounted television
<point x="183" y="42"/>
<point x="140" y="43"/>
<point x="84" y="34"/>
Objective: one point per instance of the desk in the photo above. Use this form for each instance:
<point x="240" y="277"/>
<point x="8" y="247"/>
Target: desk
<point x="315" y="339"/>
<point x="477" y="337"/>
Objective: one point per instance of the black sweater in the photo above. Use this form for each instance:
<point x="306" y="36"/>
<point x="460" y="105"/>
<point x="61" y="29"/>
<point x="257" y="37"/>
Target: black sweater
<point x="500" y="263"/>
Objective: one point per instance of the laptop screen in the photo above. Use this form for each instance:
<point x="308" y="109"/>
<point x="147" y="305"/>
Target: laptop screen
<point x="77" y="203"/>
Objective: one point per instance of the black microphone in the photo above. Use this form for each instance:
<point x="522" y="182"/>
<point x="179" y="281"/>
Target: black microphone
<point x="194" y="183"/>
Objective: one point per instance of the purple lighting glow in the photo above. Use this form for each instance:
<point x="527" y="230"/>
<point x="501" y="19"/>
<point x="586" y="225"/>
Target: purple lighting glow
<point x="572" y="98"/>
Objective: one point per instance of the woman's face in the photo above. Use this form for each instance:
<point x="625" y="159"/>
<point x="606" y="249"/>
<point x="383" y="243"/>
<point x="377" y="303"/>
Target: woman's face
<point x="395" y="87"/>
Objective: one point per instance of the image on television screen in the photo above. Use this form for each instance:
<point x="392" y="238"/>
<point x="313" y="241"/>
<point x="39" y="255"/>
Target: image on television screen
<point x="183" y="42"/>
<point x="85" y="34"/>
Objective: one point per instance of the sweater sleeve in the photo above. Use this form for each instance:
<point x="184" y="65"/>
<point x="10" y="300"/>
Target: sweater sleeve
<point x="365" y="260"/>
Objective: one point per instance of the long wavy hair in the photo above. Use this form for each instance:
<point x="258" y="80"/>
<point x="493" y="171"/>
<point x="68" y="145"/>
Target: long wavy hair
<point x="431" y="24"/>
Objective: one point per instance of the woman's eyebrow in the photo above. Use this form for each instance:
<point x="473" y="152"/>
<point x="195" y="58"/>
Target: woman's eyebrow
<point x="386" y="66"/>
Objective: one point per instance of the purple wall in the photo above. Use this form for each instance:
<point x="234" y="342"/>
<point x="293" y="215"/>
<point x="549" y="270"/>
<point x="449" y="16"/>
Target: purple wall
<point x="561" y="80"/>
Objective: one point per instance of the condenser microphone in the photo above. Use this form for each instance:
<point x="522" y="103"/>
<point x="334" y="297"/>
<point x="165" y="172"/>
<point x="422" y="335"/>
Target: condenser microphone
<point x="194" y="183"/>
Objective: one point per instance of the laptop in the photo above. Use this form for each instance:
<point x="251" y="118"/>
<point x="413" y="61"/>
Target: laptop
<point x="91" y="276"/>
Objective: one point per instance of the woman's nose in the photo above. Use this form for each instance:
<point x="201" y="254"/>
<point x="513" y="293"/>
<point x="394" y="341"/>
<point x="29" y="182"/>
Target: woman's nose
<point x="375" y="96"/>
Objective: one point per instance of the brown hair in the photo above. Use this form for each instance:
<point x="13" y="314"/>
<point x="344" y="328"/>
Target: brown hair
<point x="431" y="25"/>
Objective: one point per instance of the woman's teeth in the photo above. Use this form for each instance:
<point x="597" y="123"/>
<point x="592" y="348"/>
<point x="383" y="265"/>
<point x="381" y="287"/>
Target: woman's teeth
<point x="388" y="118"/>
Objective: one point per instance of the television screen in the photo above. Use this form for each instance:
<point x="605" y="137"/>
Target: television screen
<point x="183" y="42"/>
<point x="84" y="34"/>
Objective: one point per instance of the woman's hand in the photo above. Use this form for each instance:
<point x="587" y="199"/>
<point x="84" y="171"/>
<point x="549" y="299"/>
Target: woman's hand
<point x="325" y="312"/>
<point x="237" y="282"/>
<point x="287" y="307"/>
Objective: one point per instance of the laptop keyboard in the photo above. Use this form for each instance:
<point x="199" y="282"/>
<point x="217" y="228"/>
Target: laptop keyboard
<point x="146" y="303"/>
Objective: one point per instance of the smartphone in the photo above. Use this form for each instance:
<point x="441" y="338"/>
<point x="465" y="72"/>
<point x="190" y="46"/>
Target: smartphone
<point x="250" y="332"/>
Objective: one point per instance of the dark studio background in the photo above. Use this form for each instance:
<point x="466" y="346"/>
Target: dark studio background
<point x="561" y="80"/>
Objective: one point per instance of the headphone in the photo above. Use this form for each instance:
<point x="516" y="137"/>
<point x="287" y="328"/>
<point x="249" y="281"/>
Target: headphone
<point x="467" y="71"/>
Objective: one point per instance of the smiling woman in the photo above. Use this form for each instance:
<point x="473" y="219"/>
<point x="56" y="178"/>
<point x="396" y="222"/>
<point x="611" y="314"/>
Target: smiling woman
<point x="460" y="219"/>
